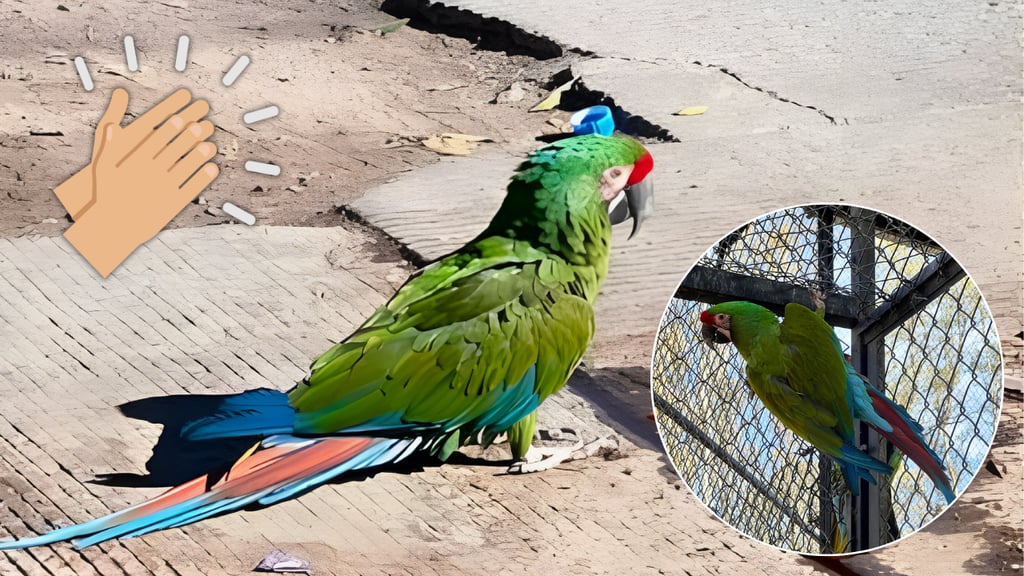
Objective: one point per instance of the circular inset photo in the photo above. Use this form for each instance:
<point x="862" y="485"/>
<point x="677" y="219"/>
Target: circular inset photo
<point x="827" y="379"/>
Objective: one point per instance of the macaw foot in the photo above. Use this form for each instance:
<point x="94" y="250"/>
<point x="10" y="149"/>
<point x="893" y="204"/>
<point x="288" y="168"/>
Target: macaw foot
<point x="817" y="298"/>
<point x="547" y="456"/>
<point x="550" y="448"/>
<point x="538" y="459"/>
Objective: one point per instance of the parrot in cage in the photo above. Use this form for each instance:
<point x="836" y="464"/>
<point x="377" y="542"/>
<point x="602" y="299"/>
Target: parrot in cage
<point x="798" y="370"/>
<point x="465" y="350"/>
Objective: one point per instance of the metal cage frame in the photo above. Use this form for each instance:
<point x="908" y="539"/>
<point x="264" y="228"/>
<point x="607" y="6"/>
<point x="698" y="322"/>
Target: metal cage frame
<point x="915" y="325"/>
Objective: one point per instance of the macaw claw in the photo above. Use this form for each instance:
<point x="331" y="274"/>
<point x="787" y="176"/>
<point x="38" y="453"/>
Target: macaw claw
<point x="540" y="458"/>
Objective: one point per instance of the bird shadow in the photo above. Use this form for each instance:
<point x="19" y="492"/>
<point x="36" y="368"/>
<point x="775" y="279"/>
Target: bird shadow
<point x="176" y="460"/>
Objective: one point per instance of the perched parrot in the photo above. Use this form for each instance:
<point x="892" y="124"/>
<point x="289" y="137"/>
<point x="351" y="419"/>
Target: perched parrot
<point x="465" y="350"/>
<point x="798" y="370"/>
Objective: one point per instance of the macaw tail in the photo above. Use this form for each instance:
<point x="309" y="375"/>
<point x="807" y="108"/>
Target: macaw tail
<point x="275" y="469"/>
<point x="907" y="436"/>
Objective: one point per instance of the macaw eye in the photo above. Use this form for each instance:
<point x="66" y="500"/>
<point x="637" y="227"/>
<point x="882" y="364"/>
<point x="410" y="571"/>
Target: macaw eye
<point x="720" y="317"/>
<point x="616" y="172"/>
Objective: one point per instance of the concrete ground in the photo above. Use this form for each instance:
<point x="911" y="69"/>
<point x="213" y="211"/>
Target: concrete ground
<point x="912" y="109"/>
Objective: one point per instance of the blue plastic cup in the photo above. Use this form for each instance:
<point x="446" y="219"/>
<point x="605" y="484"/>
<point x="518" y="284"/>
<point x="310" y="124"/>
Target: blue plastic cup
<point x="593" y="120"/>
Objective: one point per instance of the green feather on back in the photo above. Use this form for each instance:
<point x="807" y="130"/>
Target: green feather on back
<point x="446" y="351"/>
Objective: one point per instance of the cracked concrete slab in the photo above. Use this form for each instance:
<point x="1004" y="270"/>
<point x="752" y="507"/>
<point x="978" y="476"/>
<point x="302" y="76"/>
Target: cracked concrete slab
<point x="655" y="91"/>
<point x="861" y="61"/>
<point x="443" y="205"/>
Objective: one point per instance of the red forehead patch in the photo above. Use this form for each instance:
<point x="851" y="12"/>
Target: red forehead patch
<point x="706" y="317"/>
<point x="641" y="168"/>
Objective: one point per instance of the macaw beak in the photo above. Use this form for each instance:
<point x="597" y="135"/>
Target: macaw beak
<point x="640" y="198"/>
<point x="714" y="335"/>
<point x="636" y="201"/>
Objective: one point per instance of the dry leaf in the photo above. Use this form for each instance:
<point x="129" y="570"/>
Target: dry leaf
<point x="692" y="111"/>
<point x="552" y="99"/>
<point x="454" y="144"/>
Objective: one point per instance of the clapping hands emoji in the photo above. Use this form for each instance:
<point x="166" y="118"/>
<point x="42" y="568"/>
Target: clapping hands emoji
<point x="140" y="177"/>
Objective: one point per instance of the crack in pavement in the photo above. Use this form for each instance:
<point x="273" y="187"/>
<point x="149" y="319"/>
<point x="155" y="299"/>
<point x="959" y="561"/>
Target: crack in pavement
<point x="834" y="120"/>
<point x="405" y="251"/>
<point x="773" y="94"/>
<point x="493" y="33"/>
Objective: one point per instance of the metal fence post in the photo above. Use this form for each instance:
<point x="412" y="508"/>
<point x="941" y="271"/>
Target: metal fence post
<point x="868" y="359"/>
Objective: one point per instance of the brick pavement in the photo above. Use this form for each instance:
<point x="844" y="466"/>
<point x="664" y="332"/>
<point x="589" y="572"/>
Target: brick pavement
<point x="222" y="309"/>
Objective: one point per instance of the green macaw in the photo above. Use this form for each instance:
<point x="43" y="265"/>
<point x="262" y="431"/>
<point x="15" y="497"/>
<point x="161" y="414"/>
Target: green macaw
<point x="798" y="370"/>
<point x="464" y="351"/>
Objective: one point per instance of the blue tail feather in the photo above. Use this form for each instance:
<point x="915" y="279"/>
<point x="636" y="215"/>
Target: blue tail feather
<point x="857" y="466"/>
<point x="259" y="412"/>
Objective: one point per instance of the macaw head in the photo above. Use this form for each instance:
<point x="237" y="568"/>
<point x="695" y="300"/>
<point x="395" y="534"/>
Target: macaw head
<point x="628" y="191"/>
<point x="716" y="326"/>
<point x="567" y="195"/>
<point x="737" y="322"/>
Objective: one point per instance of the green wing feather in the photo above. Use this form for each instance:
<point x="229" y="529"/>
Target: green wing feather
<point x="795" y="370"/>
<point x="438" y="354"/>
<point x="814" y="366"/>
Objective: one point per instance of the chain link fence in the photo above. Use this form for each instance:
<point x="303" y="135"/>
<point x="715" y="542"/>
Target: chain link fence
<point x="911" y="321"/>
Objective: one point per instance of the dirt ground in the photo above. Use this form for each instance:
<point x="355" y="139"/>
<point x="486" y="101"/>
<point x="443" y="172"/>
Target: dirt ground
<point x="354" y="103"/>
